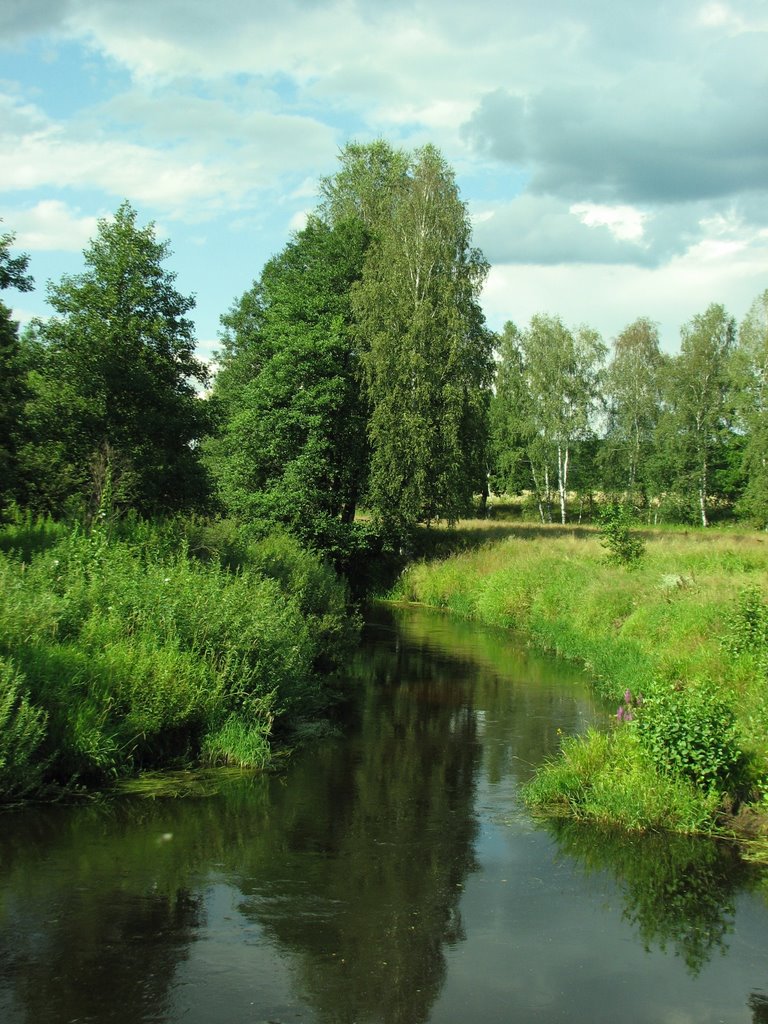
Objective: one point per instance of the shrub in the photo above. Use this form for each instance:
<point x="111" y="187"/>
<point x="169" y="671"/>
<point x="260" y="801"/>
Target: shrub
<point x="616" y="536"/>
<point x="691" y="733"/>
<point x="607" y="777"/>
<point x="747" y="628"/>
<point x="137" y="651"/>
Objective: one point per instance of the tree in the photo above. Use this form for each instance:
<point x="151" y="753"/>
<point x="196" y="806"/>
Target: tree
<point x="633" y="393"/>
<point x="117" y="380"/>
<point x="510" y="417"/>
<point x="370" y="183"/>
<point x="426" y="354"/>
<point x="697" y="394"/>
<point x="13" y="274"/>
<point x="749" y="388"/>
<point x="292" y="447"/>
<point x="561" y="369"/>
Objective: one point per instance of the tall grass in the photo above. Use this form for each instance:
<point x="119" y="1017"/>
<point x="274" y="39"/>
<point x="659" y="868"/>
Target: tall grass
<point x="127" y="652"/>
<point x="677" y="627"/>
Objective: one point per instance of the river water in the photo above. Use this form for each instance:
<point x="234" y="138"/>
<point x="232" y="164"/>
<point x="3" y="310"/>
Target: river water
<point x="389" y="874"/>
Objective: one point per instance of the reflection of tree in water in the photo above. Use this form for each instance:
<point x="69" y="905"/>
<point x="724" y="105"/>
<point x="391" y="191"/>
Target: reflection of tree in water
<point x="81" y="940"/>
<point x="678" y="891"/>
<point x="525" y="697"/>
<point x="352" y="863"/>
<point x="758" y="1004"/>
<point x="376" y="843"/>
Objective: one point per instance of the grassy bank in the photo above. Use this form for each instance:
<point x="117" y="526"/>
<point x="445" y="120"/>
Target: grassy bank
<point x="678" y="642"/>
<point x="152" y="645"/>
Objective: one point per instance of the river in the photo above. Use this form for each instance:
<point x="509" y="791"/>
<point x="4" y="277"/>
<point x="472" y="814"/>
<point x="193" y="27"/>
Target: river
<point x="387" y="873"/>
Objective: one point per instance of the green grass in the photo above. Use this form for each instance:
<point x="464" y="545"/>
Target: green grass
<point x="670" y="624"/>
<point x="607" y="778"/>
<point x="125" y="652"/>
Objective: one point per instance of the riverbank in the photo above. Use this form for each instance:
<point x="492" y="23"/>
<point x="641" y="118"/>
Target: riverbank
<point x="677" y="644"/>
<point x="151" y="645"/>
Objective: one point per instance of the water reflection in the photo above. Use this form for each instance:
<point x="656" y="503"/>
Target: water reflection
<point x="376" y="879"/>
<point x="679" y="891"/>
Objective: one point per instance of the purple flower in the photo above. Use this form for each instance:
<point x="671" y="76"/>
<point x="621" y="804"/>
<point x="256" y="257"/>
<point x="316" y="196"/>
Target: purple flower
<point x="627" y="696"/>
<point x="620" y="714"/>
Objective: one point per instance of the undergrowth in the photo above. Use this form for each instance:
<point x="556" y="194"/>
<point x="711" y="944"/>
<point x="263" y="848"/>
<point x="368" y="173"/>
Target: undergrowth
<point x="121" y="649"/>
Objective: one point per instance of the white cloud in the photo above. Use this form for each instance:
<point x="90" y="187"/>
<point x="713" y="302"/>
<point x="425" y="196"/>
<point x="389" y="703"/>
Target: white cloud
<point x="723" y="16"/>
<point x="52" y="225"/>
<point x="625" y="223"/>
<point x="298" y="221"/>
<point x="610" y="296"/>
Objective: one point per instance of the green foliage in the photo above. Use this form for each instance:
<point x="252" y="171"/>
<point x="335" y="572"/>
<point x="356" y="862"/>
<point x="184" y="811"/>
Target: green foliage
<point x="616" y="535"/>
<point x="115" y="380"/>
<point x="747" y="629"/>
<point x="690" y="732"/>
<point x="607" y="777"/>
<point x="749" y="386"/>
<point x="292" y="447"/>
<point x="22" y="731"/>
<point x="426" y="354"/>
<point x="549" y="379"/>
<point x="13" y="391"/>
<point x="137" y="652"/>
<point x="633" y="397"/>
<point x="241" y="743"/>
<point x="696" y="425"/>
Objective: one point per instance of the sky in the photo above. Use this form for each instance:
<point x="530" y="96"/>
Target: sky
<point x="613" y="156"/>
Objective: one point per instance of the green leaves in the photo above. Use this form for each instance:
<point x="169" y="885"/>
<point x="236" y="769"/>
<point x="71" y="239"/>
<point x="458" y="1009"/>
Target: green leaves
<point x="292" y="448"/>
<point x="691" y="732"/>
<point x="118" y="369"/>
<point x="426" y="354"/>
<point x="616" y="536"/>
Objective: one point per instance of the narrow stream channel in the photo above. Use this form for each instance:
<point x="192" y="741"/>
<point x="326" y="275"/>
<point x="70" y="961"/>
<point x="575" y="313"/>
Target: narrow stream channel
<point x="387" y="875"/>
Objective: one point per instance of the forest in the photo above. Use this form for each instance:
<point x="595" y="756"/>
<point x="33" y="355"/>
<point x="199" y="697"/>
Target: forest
<point x="358" y="374"/>
<point x="180" y="546"/>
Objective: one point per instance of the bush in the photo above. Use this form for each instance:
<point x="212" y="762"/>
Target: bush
<point x="607" y="777"/>
<point x="142" y="656"/>
<point x="691" y="733"/>
<point x="615" y="532"/>
<point x="747" y="628"/>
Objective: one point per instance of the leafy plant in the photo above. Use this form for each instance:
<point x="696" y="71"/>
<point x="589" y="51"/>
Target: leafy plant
<point x="692" y="733"/>
<point x="747" y="631"/>
<point x="22" y="730"/>
<point x="616" y="535"/>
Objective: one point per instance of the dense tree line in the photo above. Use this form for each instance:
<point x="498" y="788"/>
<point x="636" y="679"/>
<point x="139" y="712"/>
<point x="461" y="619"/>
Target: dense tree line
<point x="358" y="374"/>
<point x="679" y="437"/>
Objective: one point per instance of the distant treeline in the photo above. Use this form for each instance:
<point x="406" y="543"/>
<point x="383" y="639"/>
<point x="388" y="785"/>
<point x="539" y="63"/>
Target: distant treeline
<point x="357" y="373"/>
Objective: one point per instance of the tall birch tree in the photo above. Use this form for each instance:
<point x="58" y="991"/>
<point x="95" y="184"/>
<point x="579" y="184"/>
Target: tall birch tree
<point x="562" y="374"/>
<point x="633" y="397"/>
<point x="426" y="354"/>
<point x="749" y="384"/>
<point x="698" y="397"/>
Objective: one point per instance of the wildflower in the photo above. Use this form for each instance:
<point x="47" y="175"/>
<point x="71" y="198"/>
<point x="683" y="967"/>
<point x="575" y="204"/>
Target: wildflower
<point x="620" y="713"/>
<point x="628" y="697"/>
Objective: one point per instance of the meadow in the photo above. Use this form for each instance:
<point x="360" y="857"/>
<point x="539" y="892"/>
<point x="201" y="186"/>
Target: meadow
<point x="676" y="641"/>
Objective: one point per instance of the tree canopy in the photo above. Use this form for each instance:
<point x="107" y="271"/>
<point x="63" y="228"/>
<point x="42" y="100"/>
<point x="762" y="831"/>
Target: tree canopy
<point x="292" y="445"/>
<point x="117" y="375"/>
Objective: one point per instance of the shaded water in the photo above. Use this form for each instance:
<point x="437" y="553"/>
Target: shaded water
<point x="390" y="875"/>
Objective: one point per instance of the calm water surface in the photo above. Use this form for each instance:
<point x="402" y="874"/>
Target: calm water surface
<point x="391" y="875"/>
